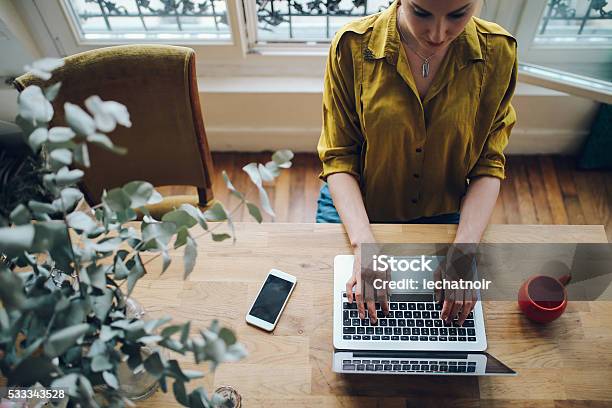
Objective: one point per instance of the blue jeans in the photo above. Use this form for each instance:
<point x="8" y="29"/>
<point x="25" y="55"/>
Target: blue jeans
<point x="326" y="212"/>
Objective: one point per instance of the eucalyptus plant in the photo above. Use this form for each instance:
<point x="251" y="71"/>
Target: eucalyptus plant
<point x="67" y="274"/>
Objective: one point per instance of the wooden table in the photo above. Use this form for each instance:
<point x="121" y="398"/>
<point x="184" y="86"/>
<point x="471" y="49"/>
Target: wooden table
<point x="566" y="363"/>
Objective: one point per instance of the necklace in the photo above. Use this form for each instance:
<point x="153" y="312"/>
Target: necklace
<point x="425" y="65"/>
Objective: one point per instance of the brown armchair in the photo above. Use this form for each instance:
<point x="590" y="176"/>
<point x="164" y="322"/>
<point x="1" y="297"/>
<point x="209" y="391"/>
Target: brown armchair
<point x="167" y="142"/>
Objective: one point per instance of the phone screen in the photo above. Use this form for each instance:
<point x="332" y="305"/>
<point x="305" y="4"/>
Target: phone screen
<point x="271" y="299"/>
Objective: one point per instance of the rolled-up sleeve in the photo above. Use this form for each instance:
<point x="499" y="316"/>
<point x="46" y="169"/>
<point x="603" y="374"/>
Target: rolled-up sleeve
<point x="492" y="161"/>
<point x="341" y="139"/>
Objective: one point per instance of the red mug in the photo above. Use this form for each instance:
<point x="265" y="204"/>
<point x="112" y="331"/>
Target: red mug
<point x="543" y="298"/>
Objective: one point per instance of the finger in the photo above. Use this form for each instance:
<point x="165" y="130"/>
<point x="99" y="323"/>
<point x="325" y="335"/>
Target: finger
<point x="384" y="303"/>
<point x="468" y="305"/>
<point x="359" y="300"/>
<point x="437" y="276"/>
<point x="457" y="305"/>
<point x="372" y="311"/>
<point x="349" y="289"/>
<point x="446" y="308"/>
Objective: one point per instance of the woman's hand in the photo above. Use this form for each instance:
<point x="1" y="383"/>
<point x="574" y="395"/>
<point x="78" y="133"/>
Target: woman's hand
<point x="459" y="265"/>
<point x="365" y="294"/>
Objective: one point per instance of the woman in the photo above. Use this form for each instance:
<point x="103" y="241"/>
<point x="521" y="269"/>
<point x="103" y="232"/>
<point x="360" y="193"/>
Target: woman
<point x="416" y="115"/>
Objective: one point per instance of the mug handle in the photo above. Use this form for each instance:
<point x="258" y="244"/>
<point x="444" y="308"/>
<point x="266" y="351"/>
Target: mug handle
<point x="565" y="279"/>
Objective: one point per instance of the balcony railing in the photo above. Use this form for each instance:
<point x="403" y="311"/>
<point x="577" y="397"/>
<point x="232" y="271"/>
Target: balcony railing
<point x="151" y="19"/>
<point x="309" y="20"/>
<point x="576" y="20"/>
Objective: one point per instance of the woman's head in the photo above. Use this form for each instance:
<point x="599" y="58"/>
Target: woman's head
<point x="436" y="23"/>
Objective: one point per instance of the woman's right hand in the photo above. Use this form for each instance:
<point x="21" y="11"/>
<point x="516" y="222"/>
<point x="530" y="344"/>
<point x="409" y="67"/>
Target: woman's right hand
<point x="365" y="297"/>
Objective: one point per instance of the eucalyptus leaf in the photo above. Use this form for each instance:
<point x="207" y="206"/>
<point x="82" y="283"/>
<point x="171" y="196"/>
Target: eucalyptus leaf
<point x="20" y="215"/>
<point x="253" y="172"/>
<point x="110" y="379"/>
<point x="62" y="339"/>
<point x="100" y="363"/>
<point x="104" y="141"/>
<point x="230" y="186"/>
<point x="97" y="347"/>
<point x="42" y="68"/>
<point x="265" y="201"/>
<point x="254" y="211"/>
<point x="139" y="193"/>
<point x="266" y="175"/>
<point x="227" y="336"/>
<point x="16" y="239"/>
<point x="273" y="168"/>
<point x="107" y="113"/>
<point x="136" y="272"/>
<point x="66" y="177"/>
<point x="70" y="197"/>
<point x="117" y="199"/>
<point x="79" y="120"/>
<point x="60" y="134"/>
<point x="195" y="213"/>
<point x="283" y="158"/>
<point x="38" y="207"/>
<point x="181" y="237"/>
<point x="191" y="252"/>
<point x="81" y="154"/>
<point x="161" y="231"/>
<point x="154" y="365"/>
<point x="34" y="108"/>
<point x="121" y="271"/>
<point x="180" y="218"/>
<point x="52" y="91"/>
<point x="166" y="261"/>
<point x="63" y="156"/>
<point x="37" y="138"/>
<point x="107" y="333"/>
<point x="215" y="213"/>
<point x="81" y="222"/>
<point x="180" y="393"/>
<point x="67" y="382"/>
<point x="220" y="237"/>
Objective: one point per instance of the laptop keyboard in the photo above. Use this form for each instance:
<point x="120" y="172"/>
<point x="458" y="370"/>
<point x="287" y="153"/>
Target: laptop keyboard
<point x="407" y="321"/>
<point x="410" y="366"/>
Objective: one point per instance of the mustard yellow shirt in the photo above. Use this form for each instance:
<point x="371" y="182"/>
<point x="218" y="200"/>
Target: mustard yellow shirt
<point x="414" y="157"/>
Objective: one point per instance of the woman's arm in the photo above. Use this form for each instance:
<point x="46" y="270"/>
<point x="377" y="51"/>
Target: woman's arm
<point x="476" y="208"/>
<point x="348" y="201"/>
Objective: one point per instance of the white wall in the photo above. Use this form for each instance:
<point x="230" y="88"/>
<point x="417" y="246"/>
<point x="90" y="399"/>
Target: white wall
<point x="286" y="113"/>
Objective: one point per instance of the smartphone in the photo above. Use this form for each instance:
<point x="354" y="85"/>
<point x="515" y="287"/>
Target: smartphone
<point x="271" y="300"/>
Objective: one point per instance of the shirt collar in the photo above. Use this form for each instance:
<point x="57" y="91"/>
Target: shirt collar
<point x="385" y="42"/>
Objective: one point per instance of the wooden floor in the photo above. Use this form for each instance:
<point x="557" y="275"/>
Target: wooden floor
<point x="537" y="190"/>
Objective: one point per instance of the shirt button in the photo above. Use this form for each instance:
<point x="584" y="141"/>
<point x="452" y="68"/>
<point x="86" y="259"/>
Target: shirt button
<point x="419" y="150"/>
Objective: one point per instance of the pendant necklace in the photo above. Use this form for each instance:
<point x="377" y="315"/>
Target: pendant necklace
<point x="425" y="65"/>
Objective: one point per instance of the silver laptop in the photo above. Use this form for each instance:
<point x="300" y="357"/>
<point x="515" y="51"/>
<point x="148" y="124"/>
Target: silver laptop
<point x="412" y="338"/>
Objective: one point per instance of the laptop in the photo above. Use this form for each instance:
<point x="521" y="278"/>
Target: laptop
<point x="412" y="339"/>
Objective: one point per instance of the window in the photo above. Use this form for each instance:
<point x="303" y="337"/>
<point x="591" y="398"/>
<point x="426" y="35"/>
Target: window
<point x="575" y="22"/>
<point x="309" y="20"/>
<point x="157" y="20"/>
<point x="291" y="37"/>
<point x="568" y="35"/>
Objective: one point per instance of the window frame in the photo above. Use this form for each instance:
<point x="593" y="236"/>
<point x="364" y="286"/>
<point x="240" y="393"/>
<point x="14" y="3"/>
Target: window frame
<point x="244" y="57"/>
<point x="545" y="54"/>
